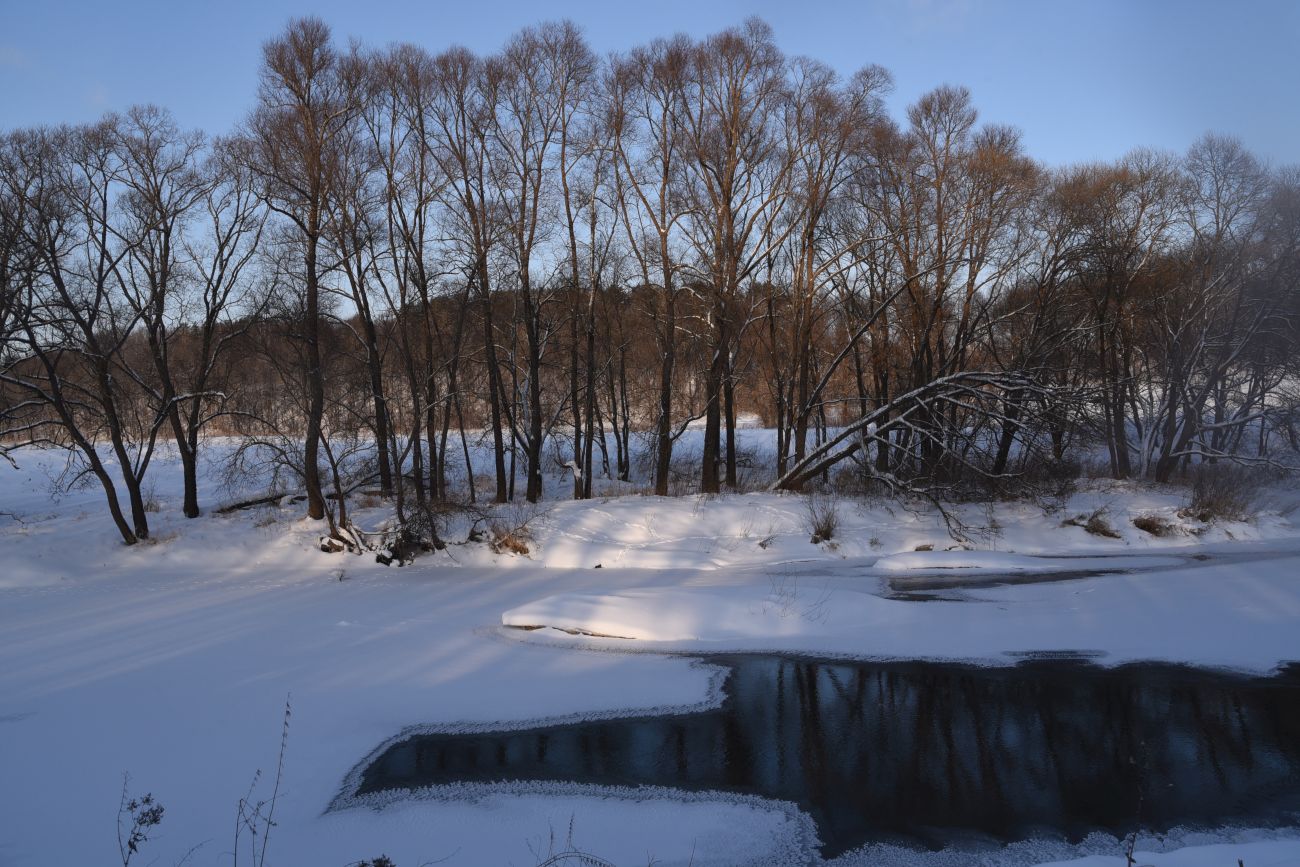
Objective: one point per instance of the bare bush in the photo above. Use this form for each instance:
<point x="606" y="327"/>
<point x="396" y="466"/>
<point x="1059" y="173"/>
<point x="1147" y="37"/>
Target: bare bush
<point x="1222" y="491"/>
<point x="853" y="480"/>
<point x="1094" y="468"/>
<point x="752" y="472"/>
<point x="151" y="503"/>
<point x="415" y="532"/>
<point x="509" y="528"/>
<point x="1040" y="478"/>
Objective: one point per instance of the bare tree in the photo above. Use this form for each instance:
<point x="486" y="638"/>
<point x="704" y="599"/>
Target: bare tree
<point x="827" y="129"/>
<point x="354" y="204"/>
<point x="645" y="97"/>
<point x="1210" y="316"/>
<point x="462" y="116"/>
<point x="198" y="223"/>
<point x="739" y="175"/>
<point x="400" y="91"/>
<point x="535" y="83"/>
<point x="293" y="138"/>
<point x="65" y="359"/>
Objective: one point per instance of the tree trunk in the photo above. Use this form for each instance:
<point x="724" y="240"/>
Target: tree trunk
<point x="664" y="433"/>
<point x="375" y="363"/>
<point x="315" y="383"/>
<point x="494" y="386"/>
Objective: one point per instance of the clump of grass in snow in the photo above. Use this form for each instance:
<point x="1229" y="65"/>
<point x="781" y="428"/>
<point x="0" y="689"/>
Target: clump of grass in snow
<point x="1155" y="525"/>
<point x="823" y="518"/>
<point x="1095" y="523"/>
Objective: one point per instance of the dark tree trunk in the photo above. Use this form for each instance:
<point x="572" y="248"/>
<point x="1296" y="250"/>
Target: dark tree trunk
<point x="315" y="382"/>
<point x="494" y="387"/>
<point x="664" y="432"/>
<point x="375" y="363"/>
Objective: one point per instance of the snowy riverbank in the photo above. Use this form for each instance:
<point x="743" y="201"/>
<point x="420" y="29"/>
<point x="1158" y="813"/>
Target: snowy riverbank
<point x="172" y="661"/>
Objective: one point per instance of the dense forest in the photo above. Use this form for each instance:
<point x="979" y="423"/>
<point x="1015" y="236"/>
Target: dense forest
<point x="573" y="259"/>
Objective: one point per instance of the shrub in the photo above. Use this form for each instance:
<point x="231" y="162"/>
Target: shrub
<point x="416" y="535"/>
<point x="1052" y="478"/>
<point x="1224" y="491"/>
<point x="508" y="528"/>
<point x="1034" y="475"/>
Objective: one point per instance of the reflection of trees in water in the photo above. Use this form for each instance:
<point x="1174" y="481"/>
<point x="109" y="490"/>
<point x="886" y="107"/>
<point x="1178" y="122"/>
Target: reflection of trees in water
<point x="879" y="750"/>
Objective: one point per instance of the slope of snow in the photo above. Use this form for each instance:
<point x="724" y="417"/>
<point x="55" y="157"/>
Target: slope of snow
<point x="724" y="532"/>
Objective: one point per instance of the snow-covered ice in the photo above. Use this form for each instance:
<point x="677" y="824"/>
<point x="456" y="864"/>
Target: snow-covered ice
<point x="1215" y="613"/>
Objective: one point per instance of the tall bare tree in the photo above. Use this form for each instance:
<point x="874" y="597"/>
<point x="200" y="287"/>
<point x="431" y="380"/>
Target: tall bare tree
<point x="739" y="176"/>
<point x="645" y="96"/>
<point x="304" y="109"/>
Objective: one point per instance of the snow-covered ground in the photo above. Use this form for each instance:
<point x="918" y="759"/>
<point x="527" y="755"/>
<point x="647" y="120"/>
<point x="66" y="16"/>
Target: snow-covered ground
<point x="172" y="661"/>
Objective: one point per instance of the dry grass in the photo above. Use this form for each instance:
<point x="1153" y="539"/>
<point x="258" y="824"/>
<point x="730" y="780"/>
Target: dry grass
<point x="823" y="518"/>
<point x="1095" y="523"/>
<point x="1155" y="525"/>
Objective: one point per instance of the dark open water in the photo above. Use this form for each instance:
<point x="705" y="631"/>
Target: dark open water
<point x="925" y="753"/>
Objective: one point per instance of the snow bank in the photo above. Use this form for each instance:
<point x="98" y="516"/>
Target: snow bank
<point x="720" y="533"/>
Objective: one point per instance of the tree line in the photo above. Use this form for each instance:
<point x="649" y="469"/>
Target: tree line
<point x="398" y="253"/>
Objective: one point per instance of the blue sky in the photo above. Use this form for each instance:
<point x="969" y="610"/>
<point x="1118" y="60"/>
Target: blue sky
<point x="1088" y="79"/>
